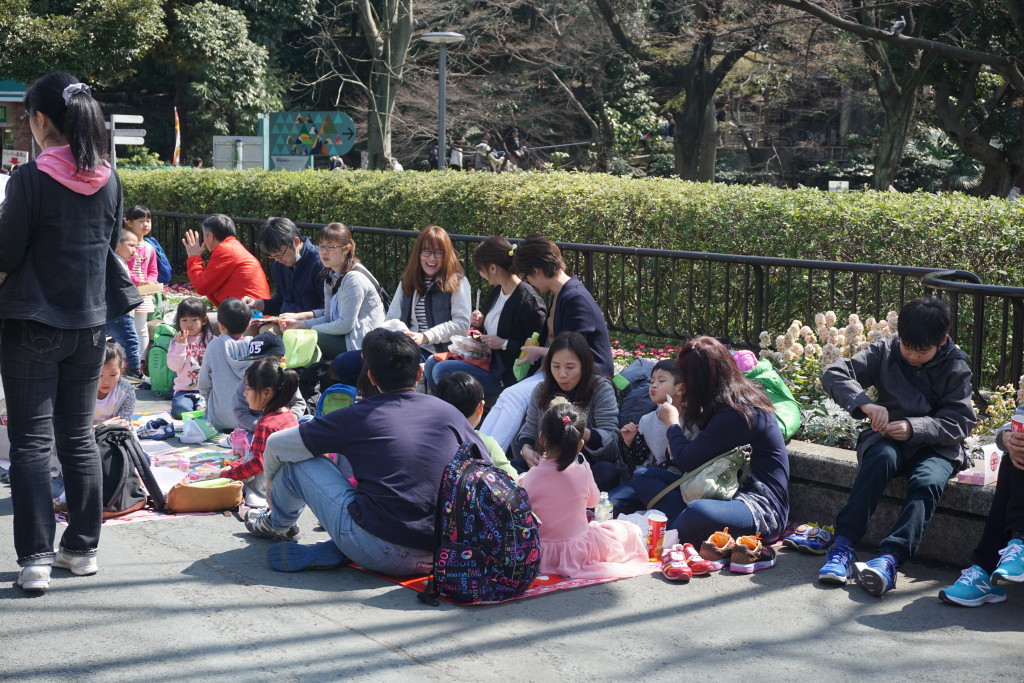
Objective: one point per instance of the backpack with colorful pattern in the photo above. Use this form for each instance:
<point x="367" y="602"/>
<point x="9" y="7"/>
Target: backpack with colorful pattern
<point x="486" y="545"/>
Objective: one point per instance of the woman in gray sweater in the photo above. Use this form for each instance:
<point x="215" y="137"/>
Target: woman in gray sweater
<point x="569" y="376"/>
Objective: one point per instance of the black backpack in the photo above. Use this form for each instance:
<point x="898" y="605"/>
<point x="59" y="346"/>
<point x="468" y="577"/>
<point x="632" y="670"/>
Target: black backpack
<point x="486" y="545"/>
<point x="126" y="473"/>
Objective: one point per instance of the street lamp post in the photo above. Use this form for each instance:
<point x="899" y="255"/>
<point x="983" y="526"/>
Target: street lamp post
<point x="443" y="40"/>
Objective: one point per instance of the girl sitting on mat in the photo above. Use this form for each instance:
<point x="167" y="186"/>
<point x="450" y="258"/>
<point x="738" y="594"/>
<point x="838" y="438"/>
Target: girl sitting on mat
<point x="561" y="488"/>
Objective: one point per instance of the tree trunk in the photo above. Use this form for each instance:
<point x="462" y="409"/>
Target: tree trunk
<point x="708" y="150"/>
<point x="691" y="122"/>
<point x="899" y="117"/>
<point x="387" y="25"/>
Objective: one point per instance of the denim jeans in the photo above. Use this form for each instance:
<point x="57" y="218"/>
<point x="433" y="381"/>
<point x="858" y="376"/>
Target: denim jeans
<point x="927" y="474"/>
<point x="50" y="378"/>
<point x="319" y="484"/>
<point x="694" y="522"/>
<point x="123" y="331"/>
<point x="186" y="402"/>
<point x="437" y="370"/>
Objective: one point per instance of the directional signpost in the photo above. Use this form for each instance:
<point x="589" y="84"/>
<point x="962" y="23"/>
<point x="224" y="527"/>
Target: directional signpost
<point x="124" y="136"/>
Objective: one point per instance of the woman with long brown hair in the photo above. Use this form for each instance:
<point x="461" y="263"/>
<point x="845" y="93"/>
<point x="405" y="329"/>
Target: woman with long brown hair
<point x="729" y="410"/>
<point x="433" y="298"/>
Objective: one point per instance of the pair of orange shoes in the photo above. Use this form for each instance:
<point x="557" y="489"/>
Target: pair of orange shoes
<point x="745" y="554"/>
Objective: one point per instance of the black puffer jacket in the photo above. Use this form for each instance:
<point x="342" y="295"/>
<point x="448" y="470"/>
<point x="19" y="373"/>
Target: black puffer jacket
<point x="53" y="248"/>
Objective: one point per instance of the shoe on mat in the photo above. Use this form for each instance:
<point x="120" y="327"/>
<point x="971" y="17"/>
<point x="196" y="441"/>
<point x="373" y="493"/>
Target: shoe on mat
<point x="838" y="567"/>
<point x="80" y="565"/>
<point x="718" y="548"/>
<point x="158" y="429"/>
<point x="293" y="557"/>
<point x="698" y="565"/>
<point x="750" y="555"/>
<point x="1011" y="564"/>
<point x="34" y="578"/>
<point x="674" y="565"/>
<point x="225" y="442"/>
<point x="876" y="576"/>
<point x="973" y="589"/>
<point x="258" y="523"/>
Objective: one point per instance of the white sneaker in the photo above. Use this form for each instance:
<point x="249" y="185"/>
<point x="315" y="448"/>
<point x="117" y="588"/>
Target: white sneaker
<point x="225" y="442"/>
<point x="34" y="578"/>
<point x="80" y="565"/>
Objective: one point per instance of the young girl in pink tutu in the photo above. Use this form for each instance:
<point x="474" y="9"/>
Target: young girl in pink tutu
<point x="561" y="488"/>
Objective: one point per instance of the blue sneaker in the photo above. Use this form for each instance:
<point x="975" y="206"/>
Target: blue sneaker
<point x="1011" y="564"/>
<point x="877" y="576"/>
<point x="973" y="589"/>
<point x="838" y="567"/>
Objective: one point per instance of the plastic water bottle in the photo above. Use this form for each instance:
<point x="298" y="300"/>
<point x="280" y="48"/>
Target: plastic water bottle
<point x="603" y="511"/>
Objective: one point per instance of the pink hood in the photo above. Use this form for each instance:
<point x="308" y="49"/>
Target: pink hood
<point x="59" y="164"/>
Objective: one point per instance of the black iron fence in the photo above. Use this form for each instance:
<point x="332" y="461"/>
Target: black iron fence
<point x="675" y="295"/>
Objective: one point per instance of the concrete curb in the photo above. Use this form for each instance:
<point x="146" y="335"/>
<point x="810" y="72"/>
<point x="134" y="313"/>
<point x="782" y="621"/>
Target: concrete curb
<point x="820" y="481"/>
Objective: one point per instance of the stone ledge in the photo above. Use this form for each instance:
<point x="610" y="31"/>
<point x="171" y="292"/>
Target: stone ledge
<point x="820" y="480"/>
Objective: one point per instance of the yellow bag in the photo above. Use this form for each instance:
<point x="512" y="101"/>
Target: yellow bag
<point x="202" y="497"/>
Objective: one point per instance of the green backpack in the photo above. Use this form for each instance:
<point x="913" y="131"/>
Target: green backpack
<point x="300" y="348"/>
<point x="161" y="378"/>
<point x="787" y="410"/>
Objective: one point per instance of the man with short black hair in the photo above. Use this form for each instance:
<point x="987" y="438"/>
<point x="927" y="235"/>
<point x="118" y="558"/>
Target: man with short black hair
<point x="232" y="270"/>
<point x="296" y="270"/>
<point x="397" y="442"/>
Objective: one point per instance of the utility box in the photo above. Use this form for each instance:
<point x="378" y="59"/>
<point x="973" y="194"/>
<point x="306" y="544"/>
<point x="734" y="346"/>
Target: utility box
<point x="237" y="152"/>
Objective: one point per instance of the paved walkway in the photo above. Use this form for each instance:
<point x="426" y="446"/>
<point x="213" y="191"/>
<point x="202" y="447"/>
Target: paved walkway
<point x="191" y="598"/>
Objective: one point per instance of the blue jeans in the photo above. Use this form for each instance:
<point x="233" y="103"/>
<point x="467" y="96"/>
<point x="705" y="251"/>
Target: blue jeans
<point x="186" y="402"/>
<point x="123" y="331"/>
<point x="694" y="522"/>
<point x="319" y="484"/>
<point x="50" y="378"/>
<point x="927" y="474"/>
<point x="436" y="370"/>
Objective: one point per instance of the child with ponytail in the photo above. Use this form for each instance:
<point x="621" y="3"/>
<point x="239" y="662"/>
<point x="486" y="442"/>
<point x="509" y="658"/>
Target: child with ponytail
<point x="561" y="488"/>
<point x="270" y="388"/>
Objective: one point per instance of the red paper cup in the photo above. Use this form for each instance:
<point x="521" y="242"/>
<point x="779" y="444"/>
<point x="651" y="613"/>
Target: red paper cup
<point x="1017" y="424"/>
<point x="655" y="535"/>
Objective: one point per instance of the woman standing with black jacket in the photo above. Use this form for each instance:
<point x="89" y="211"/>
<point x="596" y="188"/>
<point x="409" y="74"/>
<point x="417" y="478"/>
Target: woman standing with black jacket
<point x="513" y="313"/>
<point x="61" y="216"/>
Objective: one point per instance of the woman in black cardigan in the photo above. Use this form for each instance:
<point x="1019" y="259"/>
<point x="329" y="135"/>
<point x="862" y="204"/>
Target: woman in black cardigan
<point x="513" y="313"/>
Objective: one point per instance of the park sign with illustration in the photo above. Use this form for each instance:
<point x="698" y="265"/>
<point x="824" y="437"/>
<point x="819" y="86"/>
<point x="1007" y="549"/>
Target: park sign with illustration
<point x="307" y="133"/>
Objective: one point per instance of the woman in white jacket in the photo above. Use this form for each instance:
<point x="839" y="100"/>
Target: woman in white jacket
<point x="352" y="303"/>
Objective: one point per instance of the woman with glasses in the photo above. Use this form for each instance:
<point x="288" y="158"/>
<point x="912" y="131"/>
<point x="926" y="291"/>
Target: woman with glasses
<point x="432" y="299"/>
<point x="296" y="270"/>
<point x="351" y="304"/>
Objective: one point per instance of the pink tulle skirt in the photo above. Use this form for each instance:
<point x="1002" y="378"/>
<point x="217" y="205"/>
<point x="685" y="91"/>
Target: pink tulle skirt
<point x="606" y="549"/>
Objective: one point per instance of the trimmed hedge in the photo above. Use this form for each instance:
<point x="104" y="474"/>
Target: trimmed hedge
<point x="919" y="229"/>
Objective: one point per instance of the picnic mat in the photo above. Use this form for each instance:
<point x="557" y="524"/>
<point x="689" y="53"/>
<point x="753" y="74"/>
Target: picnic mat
<point x="542" y="585"/>
<point x="143" y="515"/>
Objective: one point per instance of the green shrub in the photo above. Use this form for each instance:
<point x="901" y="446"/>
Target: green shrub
<point x="919" y="229"/>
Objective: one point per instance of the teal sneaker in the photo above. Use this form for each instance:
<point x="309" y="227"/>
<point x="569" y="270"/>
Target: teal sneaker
<point x="973" y="589"/>
<point x="1011" y="564"/>
<point x="838" y="567"/>
<point x="876" y="576"/>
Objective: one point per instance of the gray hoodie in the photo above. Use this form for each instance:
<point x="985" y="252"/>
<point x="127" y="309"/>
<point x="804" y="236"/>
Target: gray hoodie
<point x="947" y="376"/>
<point x="222" y="370"/>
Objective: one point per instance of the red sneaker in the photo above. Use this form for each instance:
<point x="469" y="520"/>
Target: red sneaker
<point x="698" y="565"/>
<point x="674" y="565"/>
